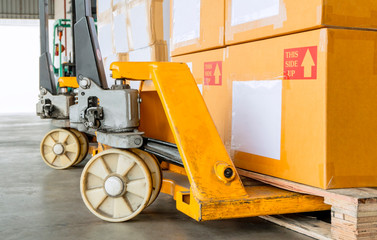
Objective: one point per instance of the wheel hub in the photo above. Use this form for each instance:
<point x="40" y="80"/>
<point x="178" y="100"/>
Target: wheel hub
<point x="58" y="149"/>
<point x="114" y="186"/>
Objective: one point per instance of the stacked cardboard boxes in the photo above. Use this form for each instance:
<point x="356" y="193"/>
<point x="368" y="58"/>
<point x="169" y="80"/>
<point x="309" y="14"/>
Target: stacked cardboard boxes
<point x="196" y="25"/>
<point x="292" y="90"/>
<point x="249" y="20"/>
<point x="131" y="30"/>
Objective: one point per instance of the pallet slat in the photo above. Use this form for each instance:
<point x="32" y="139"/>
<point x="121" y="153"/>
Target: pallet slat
<point x="354" y="210"/>
<point x="305" y="225"/>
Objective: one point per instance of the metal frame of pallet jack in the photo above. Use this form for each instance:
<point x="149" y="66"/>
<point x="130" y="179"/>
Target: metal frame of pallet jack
<point x="92" y="106"/>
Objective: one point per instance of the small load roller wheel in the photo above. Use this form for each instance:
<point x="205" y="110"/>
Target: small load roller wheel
<point x="60" y="149"/>
<point x="116" y="185"/>
<point x="154" y="168"/>
<point x="84" y="145"/>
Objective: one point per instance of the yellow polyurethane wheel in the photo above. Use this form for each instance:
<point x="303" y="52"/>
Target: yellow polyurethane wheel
<point x="154" y="168"/>
<point x="116" y="185"/>
<point x="84" y="145"/>
<point x="60" y="148"/>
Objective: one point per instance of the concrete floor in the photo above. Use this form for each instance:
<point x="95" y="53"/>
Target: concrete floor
<point x="37" y="202"/>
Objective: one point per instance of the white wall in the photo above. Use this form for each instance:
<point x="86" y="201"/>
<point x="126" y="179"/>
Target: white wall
<point x="19" y="65"/>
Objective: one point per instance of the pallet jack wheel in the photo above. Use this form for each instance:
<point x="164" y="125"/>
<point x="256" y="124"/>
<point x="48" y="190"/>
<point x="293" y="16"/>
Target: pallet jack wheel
<point x="116" y="185"/>
<point x="84" y="145"/>
<point x="60" y="149"/>
<point x="154" y="168"/>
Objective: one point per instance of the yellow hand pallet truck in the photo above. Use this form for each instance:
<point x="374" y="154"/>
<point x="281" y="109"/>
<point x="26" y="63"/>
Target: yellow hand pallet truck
<point x="208" y="187"/>
<point x="123" y="178"/>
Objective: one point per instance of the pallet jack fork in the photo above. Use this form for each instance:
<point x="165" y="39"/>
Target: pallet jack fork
<point x="216" y="190"/>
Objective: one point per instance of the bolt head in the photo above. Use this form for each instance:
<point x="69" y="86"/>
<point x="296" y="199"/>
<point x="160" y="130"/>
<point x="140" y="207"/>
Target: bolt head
<point x="228" y="173"/>
<point x="137" y="141"/>
<point x="84" y="83"/>
<point x="43" y="91"/>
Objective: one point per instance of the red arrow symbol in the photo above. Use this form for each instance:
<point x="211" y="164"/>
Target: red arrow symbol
<point x="217" y="74"/>
<point x="308" y="63"/>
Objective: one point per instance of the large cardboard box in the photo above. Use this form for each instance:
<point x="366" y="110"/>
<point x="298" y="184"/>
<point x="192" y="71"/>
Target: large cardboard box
<point x="304" y="107"/>
<point x="105" y="25"/>
<point x="131" y="30"/>
<point x="249" y="20"/>
<point x="120" y="27"/>
<point x="209" y="69"/>
<point x="196" y="25"/>
<point x="145" y="23"/>
<point x="129" y="25"/>
<point x="153" y="53"/>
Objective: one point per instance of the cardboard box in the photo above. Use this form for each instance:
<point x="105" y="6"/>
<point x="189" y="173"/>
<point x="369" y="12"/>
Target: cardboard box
<point x="103" y="6"/>
<point x="196" y="25"/>
<point x="146" y="25"/>
<point x="209" y="71"/>
<point x="249" y="20"/>
<point x="304" y="107"/>
<point x="125" y="26"/>
<point x="154" y="53"/>
<point x="120" y="27"/>
<point x="105" y="25"/>
<point x="117" y="21"/>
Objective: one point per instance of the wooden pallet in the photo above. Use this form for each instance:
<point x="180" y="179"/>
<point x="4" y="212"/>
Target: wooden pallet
<point x="306" y="225"/>
<point x="353" y="211"/>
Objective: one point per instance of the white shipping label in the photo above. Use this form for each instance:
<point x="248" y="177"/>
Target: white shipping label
<point x="256" y="117"/>
<point x="244" y="11"/>
<point x="186" y="20"/>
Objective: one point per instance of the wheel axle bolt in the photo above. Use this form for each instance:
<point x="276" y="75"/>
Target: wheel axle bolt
<point x="114" y="186"/>
<point x="228" y="172"/>
<point x="137" y="141"/>
<point x="58" y="149"/>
